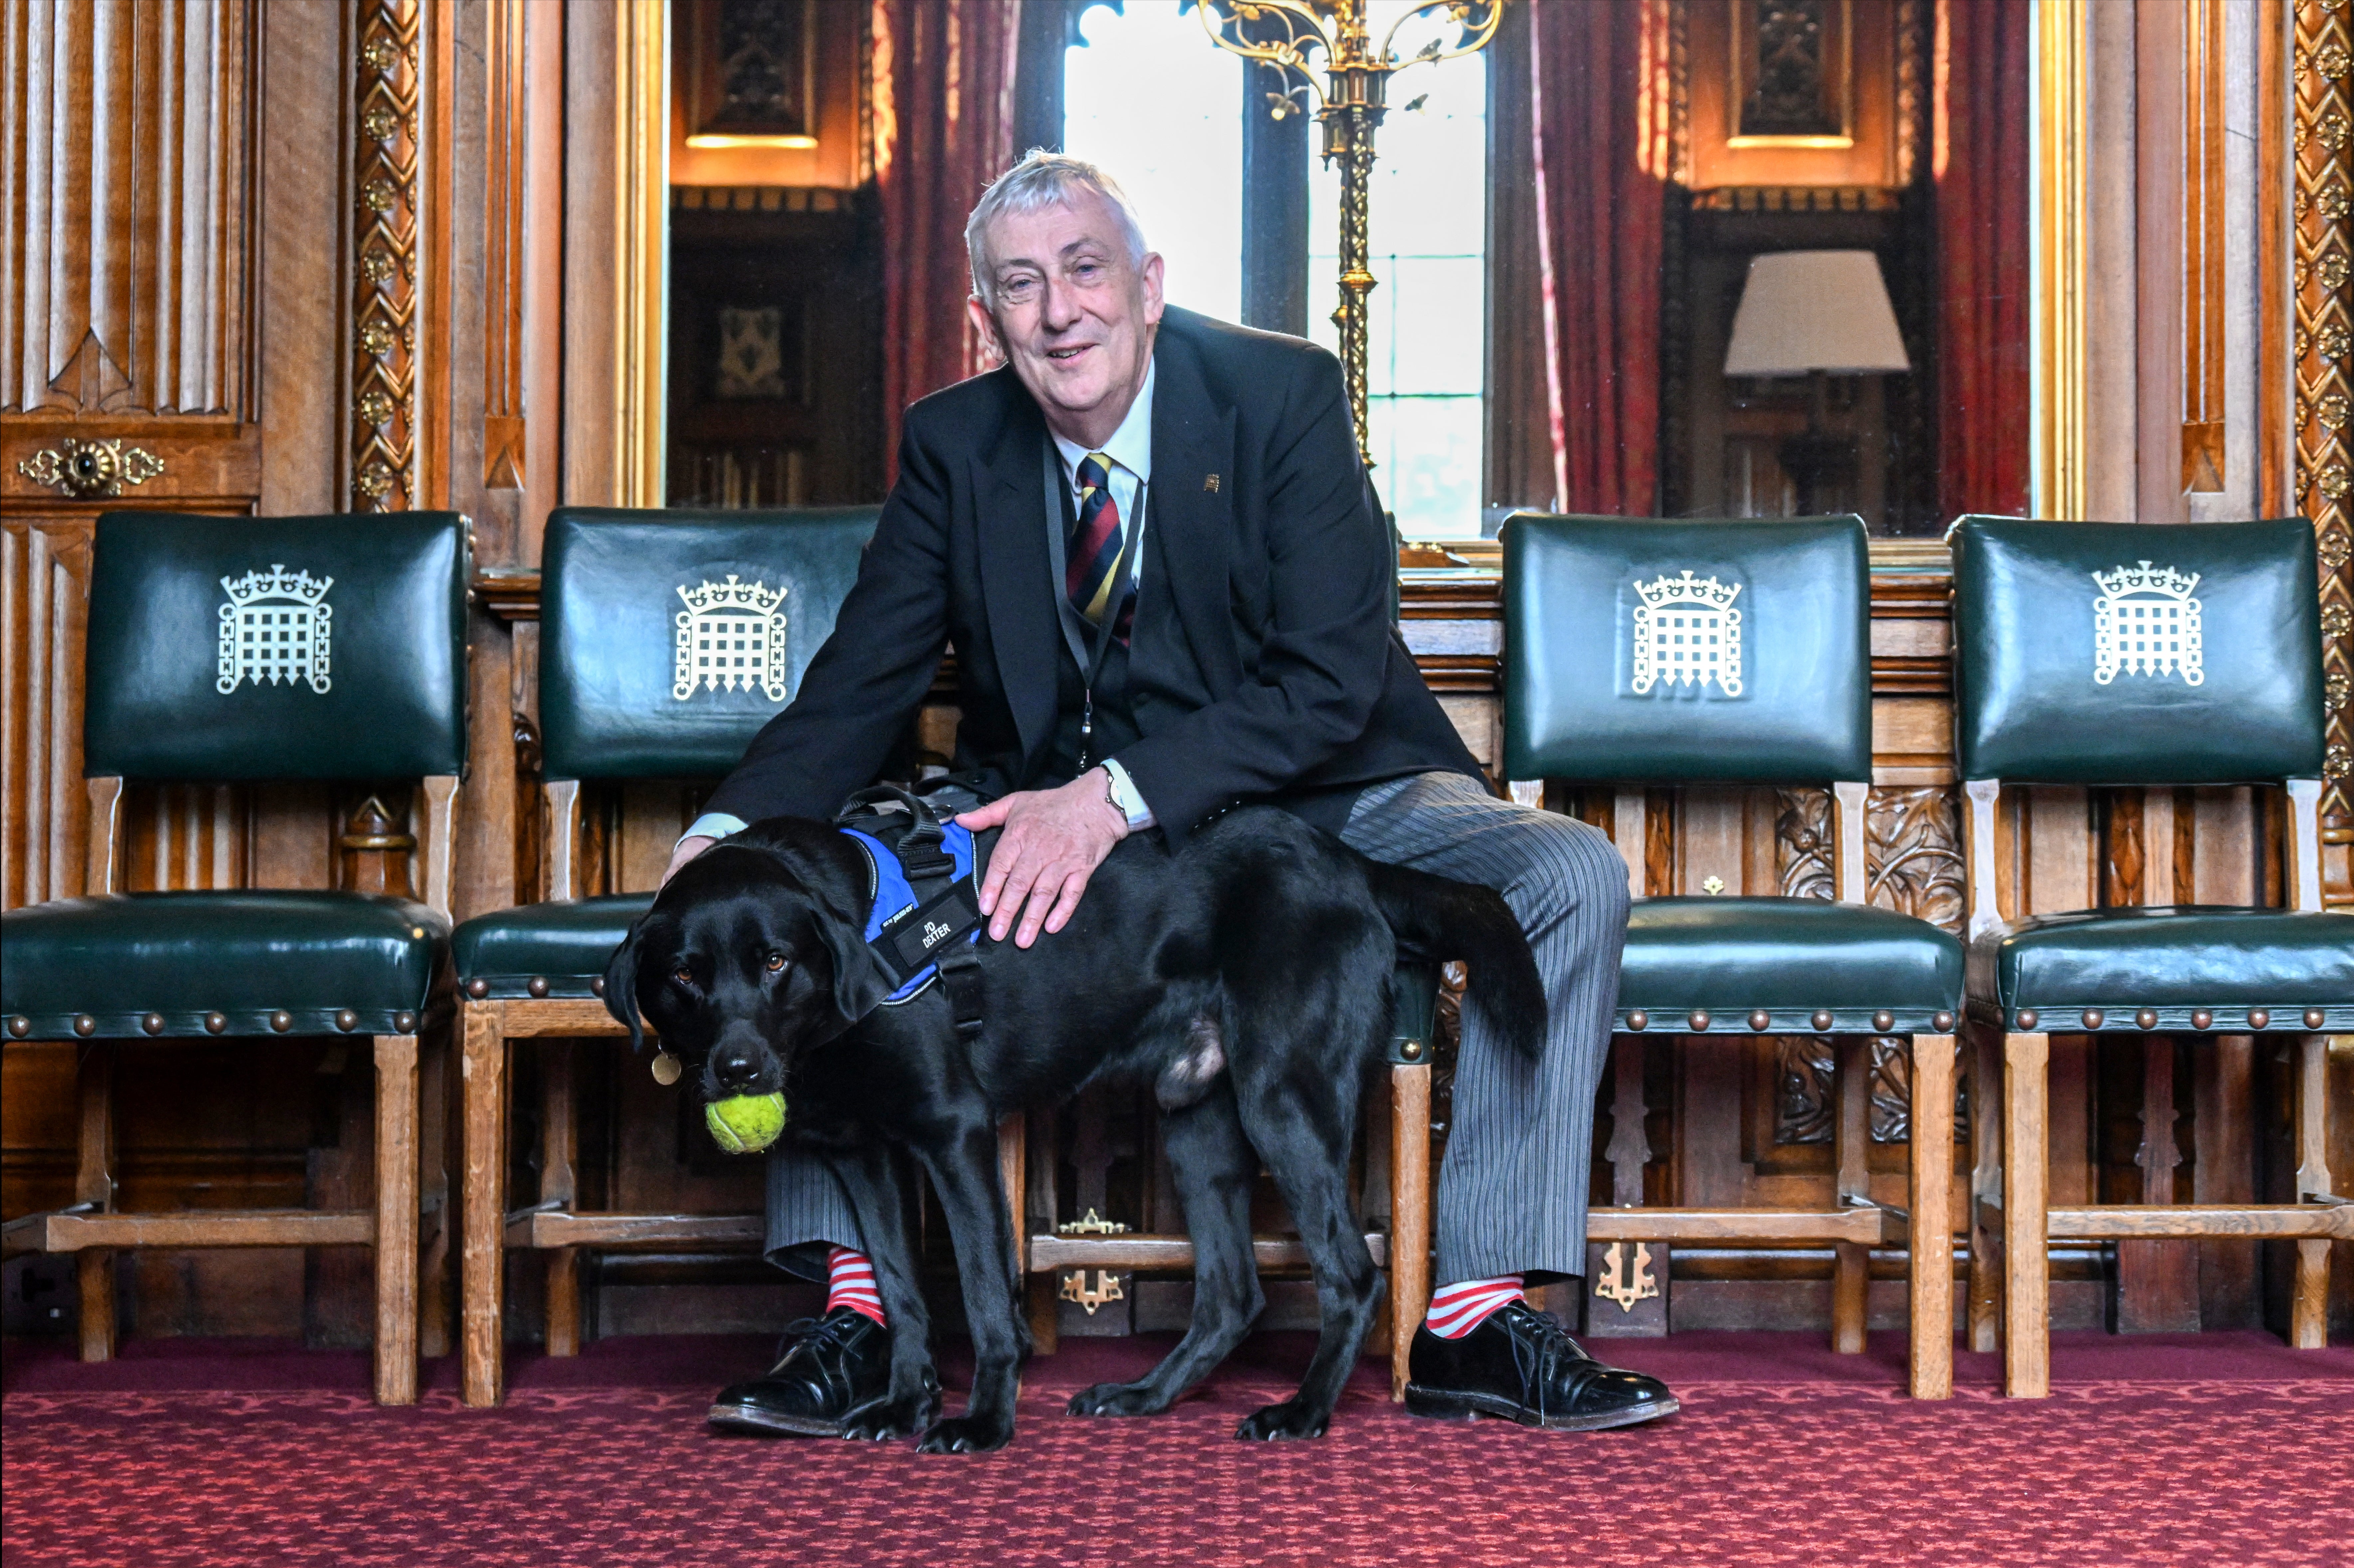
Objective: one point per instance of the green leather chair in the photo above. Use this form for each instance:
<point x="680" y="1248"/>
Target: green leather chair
<point x="1640" y="652"/>
<point x="2111" y="654"/>
<point x="667" y="638"/>
<point x="250" y="649"/>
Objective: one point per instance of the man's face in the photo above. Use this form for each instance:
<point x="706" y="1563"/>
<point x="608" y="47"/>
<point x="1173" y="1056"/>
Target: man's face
<point x="1074" y="316"/>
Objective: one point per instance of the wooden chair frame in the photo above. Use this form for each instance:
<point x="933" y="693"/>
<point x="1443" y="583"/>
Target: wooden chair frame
<point x="1856" y="1224"/>
<point x="94" y="1230"/>
<point x="2012" y="1222"/>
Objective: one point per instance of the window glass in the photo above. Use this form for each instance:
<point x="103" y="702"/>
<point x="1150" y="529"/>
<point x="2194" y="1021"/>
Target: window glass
<point x="1158" y="106"/>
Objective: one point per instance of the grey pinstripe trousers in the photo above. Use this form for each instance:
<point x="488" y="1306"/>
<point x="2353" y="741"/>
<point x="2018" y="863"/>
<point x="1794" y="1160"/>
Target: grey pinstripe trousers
<point x="1512" y="1192"/>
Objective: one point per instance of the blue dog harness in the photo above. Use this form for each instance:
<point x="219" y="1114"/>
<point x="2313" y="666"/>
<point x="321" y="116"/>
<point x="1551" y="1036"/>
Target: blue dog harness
<point x="905" y="931"/>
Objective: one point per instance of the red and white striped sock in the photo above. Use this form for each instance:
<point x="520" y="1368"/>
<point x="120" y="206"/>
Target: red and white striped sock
<point x="1455" y="1309"/>
<point x="850" y="1282"/>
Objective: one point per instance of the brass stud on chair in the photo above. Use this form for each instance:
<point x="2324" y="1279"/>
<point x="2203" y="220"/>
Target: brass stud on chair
<point x="2200" y="1018"/>
<point x="1637" y="1020"/>
<point x="281" y="1021"/>
<point x="2027" y="1019"/>
<point x="85" y="1025"/>
<point x="347" y="1020"/>
<point x="1410" y="1049"/>
<point x="404" y="1022"/>
<point x="417" y="933"/>
<point x="478" y="988"/>
<point x="20" y="1026"/>
<point x="1883" y="1021"/>
<point x="538" y="986"/>
<point x="1943" y="1023"/>
<point x="1699" y="1020"/>
<point x="596" y="985"/>
<point x="1760" y="1019"/>
<point x="2315" y="1018"/>
<point x="215" y="1022"/>
<point x="153" y="1023"/>
<point x="2094" y="1017"/>
<point x="2259" y="1018"/>
<point x="1822" y="1021"/>
<point x="2145" y="1018"/>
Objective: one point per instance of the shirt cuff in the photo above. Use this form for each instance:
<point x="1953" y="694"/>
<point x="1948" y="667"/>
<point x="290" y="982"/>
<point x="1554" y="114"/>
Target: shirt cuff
<point x="1123" y="794"/>
<point x="712" y="825"/>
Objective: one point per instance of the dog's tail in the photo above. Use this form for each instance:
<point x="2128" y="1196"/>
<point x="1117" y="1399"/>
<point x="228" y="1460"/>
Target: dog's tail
<point x="1437" y="920"/>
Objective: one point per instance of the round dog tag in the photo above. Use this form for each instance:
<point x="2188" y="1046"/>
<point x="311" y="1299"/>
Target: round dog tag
<point x="666" y="1068"/>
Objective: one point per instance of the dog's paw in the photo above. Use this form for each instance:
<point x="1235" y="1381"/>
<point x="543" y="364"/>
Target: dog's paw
<point x="966" y="1435"/>
<point x="1290" y="1419"/>
<point x="895" y="1418"/>
<point x="1117" y="1399"/>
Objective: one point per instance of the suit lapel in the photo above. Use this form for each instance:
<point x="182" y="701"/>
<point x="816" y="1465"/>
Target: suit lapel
<point x="1191" y="508"/>
<point x="1011" y="539"/>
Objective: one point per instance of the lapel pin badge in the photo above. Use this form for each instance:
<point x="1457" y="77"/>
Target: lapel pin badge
<point x="1210" y="482"/>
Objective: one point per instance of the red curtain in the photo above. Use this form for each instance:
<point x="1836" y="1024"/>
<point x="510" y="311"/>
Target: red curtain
<point x="1980" y="164"/>
<point x="943" y="73"/>
<point x="1597" y="81"/>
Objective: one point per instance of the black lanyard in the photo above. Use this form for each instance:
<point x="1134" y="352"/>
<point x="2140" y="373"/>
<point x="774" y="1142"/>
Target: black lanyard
<point x="1123" y="589"/>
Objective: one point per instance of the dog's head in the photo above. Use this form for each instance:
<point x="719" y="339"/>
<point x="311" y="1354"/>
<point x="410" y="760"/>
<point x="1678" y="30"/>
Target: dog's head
<point x="752" y="955"/>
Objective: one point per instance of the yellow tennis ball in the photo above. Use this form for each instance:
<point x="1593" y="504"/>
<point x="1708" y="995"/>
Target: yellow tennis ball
<point x="746" y="1124"/>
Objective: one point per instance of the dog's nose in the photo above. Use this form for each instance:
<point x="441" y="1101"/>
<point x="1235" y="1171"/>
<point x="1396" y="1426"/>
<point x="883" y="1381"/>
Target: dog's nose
<point x="734" y="1067"/>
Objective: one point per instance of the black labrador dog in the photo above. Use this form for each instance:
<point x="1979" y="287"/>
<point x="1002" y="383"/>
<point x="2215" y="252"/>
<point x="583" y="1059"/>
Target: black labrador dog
<point x="1245" y="975"/>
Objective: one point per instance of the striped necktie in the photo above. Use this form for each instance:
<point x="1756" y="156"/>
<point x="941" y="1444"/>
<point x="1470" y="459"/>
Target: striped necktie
<point x="1096" y="572"/>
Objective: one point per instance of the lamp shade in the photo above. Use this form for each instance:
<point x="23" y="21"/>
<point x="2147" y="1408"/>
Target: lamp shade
<point x="1803" y="310"/>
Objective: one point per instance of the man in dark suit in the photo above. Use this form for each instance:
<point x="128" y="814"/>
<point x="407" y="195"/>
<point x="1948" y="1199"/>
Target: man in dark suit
<point x="1150" y="541"/>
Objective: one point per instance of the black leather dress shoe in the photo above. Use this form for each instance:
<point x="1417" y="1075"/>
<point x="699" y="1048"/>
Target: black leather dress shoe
<point x="1523" y="1366"/>
<point x="831" y="1372"/>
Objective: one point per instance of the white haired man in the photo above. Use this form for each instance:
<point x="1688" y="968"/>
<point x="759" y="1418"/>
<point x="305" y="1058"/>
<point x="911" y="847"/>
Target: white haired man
<point x="1168" y="582"/>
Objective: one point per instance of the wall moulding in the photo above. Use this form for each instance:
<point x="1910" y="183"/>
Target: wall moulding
<point x="2061" y="123"/>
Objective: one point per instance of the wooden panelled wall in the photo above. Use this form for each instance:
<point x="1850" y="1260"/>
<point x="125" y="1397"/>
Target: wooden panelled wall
<point x="319" y="258"/>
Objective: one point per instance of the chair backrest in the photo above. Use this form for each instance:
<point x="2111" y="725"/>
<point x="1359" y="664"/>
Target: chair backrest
<point x="1646" y="650"/>
<point x="252" y="648"/>
<point x="2131" y="653"/>
<point x="2135" y="653"/>
<point x="668" y="637"/>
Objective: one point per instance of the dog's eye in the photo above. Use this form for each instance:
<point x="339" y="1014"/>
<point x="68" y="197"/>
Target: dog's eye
<point x="775" y="963"/>
<point x="683" y="977"/>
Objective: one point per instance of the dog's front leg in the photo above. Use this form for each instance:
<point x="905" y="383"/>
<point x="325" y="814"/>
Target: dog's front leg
<point x="964" y="1175"/>
<point x="880" y="1182"/>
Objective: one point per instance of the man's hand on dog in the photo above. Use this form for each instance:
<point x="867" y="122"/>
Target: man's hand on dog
<point x="1054" y="839"/>
<point x="686" y="851"/>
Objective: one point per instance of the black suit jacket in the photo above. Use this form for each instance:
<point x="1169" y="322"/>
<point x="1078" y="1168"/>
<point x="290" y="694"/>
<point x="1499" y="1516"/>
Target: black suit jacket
<point x="1265" y="665"/>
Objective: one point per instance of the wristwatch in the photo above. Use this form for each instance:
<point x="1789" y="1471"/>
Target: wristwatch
<point x="1120" y="792"/>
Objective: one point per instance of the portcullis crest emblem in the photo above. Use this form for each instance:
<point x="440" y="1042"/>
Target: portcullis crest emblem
<point x="1687" y="633"/>
<point x="731" y="636"/>
<point x="2145" y="622"/>
<point x="275" y="628"/>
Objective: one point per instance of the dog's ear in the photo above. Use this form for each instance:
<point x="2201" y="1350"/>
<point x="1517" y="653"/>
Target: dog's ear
<point x="622" y="987"/>
<point x="860" y="983"/>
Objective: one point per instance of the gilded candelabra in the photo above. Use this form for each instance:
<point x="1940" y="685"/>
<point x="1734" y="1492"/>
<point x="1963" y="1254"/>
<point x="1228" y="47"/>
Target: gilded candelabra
<point x="1350" y="101"/>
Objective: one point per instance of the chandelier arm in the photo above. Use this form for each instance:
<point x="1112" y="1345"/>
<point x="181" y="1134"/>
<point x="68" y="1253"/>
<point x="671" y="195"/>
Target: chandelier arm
<point x="1485" y="18"/>
<point x="1288" y="55"/>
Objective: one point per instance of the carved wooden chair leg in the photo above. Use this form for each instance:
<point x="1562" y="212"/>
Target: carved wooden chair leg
<point x="2310" y="1297"/>
<point x="1851" y="1272"/>
<point x="1410" y="1213"/>
<point x="2027" y="1270"/>
<point x="483" y="1195"/>
<point x="1932" y="1202"/>
<point x="396" y="1219"/>
<point x="559" y="1185"/>
<point x="1984" y="1291"/>
<point x="94" y="1185"/>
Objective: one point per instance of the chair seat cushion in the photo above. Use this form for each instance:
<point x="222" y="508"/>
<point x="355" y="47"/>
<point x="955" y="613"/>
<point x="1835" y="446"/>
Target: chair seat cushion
<point x="1871" y="970"/>
<point x="250" y="962"/>
<point x="565" y="942"/>
<point x="2172" y="959"/>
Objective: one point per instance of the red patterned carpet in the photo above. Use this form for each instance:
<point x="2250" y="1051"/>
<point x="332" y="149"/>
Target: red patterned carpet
<point x="2223" y="1447"/>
